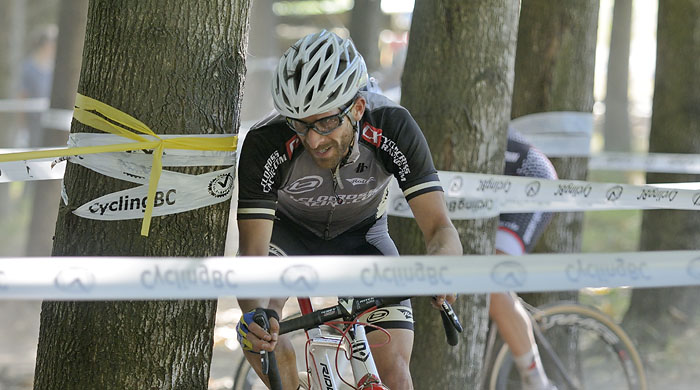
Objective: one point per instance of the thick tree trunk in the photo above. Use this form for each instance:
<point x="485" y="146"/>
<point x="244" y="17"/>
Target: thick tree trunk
<point x="263" y="57"/>
<point x="11" y="46"/>
<point x="457" y="83"/>
<point x="617" y="125"/>
<point x="655" y="315"/>
<point x="177" y="66"/>
<point x="69" y="51"/>
<point x="554" y="70"/>
<point x="365" y="26"/>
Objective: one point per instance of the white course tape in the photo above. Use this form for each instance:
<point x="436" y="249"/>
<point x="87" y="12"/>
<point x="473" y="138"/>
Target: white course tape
<point x="115" y="278"/>
<point x="473" y="195"/>
<point x="557" y="133"/>
<point x="57" y="119"/>
<point x="24" y="105"/>
<point x="652" y="162"/>
<point x="29" y="170"/>
<point x="176" y="193"/>
<point x="171" y="157"/>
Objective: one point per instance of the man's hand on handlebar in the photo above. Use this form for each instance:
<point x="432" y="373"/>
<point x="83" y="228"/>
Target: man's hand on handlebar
<point x="252" y="337"/>
<point x="439" y="299"/>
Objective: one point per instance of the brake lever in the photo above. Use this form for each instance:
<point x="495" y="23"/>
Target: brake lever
<point x="447" y="309"/>
<point x="260" y="318"/>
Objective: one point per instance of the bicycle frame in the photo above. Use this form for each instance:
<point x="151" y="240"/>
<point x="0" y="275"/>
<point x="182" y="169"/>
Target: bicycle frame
<point x="323" y="347"/>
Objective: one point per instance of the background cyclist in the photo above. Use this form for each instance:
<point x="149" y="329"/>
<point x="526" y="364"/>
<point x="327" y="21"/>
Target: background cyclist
<point x="313" y="180"/>
<point x="518" y="234"/>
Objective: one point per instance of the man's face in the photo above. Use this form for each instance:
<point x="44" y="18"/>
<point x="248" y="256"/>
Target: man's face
<point x="328" y="150"/>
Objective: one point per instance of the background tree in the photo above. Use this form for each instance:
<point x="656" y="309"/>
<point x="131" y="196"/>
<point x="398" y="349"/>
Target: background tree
<point x="69" y="50"/>
<point x="657" y="315"/>
<point x="366" y="23"/>
<point x="11" y="45"/>
<point x="617" y="125"/>
<point x="177" y="66"/>
<point x="263" y="53"/>
<point x="554" y="69"/>
<point x="457" y="83"/>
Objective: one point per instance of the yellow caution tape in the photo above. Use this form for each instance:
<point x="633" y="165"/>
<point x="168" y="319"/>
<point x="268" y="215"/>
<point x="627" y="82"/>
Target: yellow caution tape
<point x="117" y="122"/>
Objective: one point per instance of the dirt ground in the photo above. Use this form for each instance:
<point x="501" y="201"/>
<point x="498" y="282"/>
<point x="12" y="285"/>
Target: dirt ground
<point x="675" y="369"/>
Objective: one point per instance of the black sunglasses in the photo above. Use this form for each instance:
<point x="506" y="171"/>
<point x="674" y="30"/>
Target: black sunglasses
<point x="323" y="126"/>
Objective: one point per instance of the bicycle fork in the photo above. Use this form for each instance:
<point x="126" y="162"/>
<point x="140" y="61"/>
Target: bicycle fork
<point x="323" y="350"/>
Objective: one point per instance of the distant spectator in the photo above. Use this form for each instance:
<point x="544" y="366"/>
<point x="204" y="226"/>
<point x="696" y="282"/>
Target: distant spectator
<point x="37" y="76"/>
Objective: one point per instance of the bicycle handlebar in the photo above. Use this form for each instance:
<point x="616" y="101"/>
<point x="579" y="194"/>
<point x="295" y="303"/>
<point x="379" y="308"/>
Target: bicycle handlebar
<point x="449" y="319"/>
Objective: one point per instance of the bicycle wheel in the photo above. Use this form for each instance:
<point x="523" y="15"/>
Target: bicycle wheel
<point x="598" y="353"/>
<point x="245" y="377"/>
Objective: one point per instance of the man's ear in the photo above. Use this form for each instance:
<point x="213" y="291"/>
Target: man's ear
<point x="359" y="109"/>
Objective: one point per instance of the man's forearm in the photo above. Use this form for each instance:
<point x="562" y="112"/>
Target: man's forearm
<point x="445" y="241"/>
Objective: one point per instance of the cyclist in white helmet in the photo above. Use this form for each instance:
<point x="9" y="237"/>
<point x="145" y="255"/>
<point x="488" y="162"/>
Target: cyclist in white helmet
<point x="313" y="180"/>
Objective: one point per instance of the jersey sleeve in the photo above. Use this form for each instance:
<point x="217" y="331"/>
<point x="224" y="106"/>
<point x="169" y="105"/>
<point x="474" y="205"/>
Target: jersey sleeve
<point x="519" y="232"/>
<point x="258" y="177"/>
<point x="404" y="151"/>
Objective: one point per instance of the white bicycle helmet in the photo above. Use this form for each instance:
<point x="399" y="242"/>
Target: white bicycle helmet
<point x="319" y="73"/>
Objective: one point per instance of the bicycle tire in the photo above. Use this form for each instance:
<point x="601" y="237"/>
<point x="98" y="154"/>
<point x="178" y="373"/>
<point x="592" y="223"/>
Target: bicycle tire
<point x="606" y="356"/>
<point x="245" y="377"/>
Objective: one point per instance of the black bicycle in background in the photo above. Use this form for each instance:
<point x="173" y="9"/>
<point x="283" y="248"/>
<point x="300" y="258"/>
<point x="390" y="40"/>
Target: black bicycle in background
<point x="581" y="348"/>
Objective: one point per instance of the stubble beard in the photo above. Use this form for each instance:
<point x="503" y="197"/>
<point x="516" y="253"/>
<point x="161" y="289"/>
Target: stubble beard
<point x="339" y="150"/>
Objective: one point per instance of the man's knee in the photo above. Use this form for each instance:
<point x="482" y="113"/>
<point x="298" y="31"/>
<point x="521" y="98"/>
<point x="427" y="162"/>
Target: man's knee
<point x="397" y="375"/>
<point x="502" y="304"/>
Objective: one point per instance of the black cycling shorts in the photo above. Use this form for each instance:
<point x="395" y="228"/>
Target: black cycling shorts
<point x="369" y="238"/>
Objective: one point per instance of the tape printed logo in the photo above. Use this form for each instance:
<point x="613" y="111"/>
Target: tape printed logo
<point x="614" y="193"/>
<point x="221" y="186"/>
<point x="75" y="280"/>
<point x="532" y="189"/>
<point x="456" y="185"/>
<point x="693" y="268"/>
<point x="400" y="205"/>
<point x="696" y="199"/>
<point x="300" y="278"/>
<point x="509" y="274"/>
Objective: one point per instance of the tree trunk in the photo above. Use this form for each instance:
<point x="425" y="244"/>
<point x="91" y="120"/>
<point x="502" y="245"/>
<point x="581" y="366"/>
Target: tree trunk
<point x="176" y="65"/>
<point x="617" y="124"/>
<point x="11" y="46"/>
<point x="264" y="55"/>
<point x="365" y="26"/>
<point x="460" y="95"/>
<point x="554" y="68"/>
<point x="655" y="315"/>
<point x="69" y="50"/>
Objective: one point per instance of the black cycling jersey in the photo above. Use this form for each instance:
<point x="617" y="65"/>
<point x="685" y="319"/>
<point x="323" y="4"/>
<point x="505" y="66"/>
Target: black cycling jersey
<point x="277" y="176"/>
<point x="518" y="233"/>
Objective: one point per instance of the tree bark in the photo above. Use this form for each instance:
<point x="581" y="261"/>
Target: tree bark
<point x="656" y="315"/>
<point x="263" y="57"/>
<point x="458" y="83"/>
<point x="617" y="125"/>
<point x="11" y="45"/>
<point x="176" y="65"/>
<point x="365" y="26"/>
<point x="69" y="50"/>
<point x="554" y="69"/>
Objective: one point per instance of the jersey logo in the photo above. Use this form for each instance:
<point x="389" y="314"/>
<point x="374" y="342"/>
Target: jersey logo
<point x="291" y="145"/>
<point x="304" y="184"/>
<point x="372" y="134"/>
<point x="356" y="181"/>
<point x="360" y="167"/>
